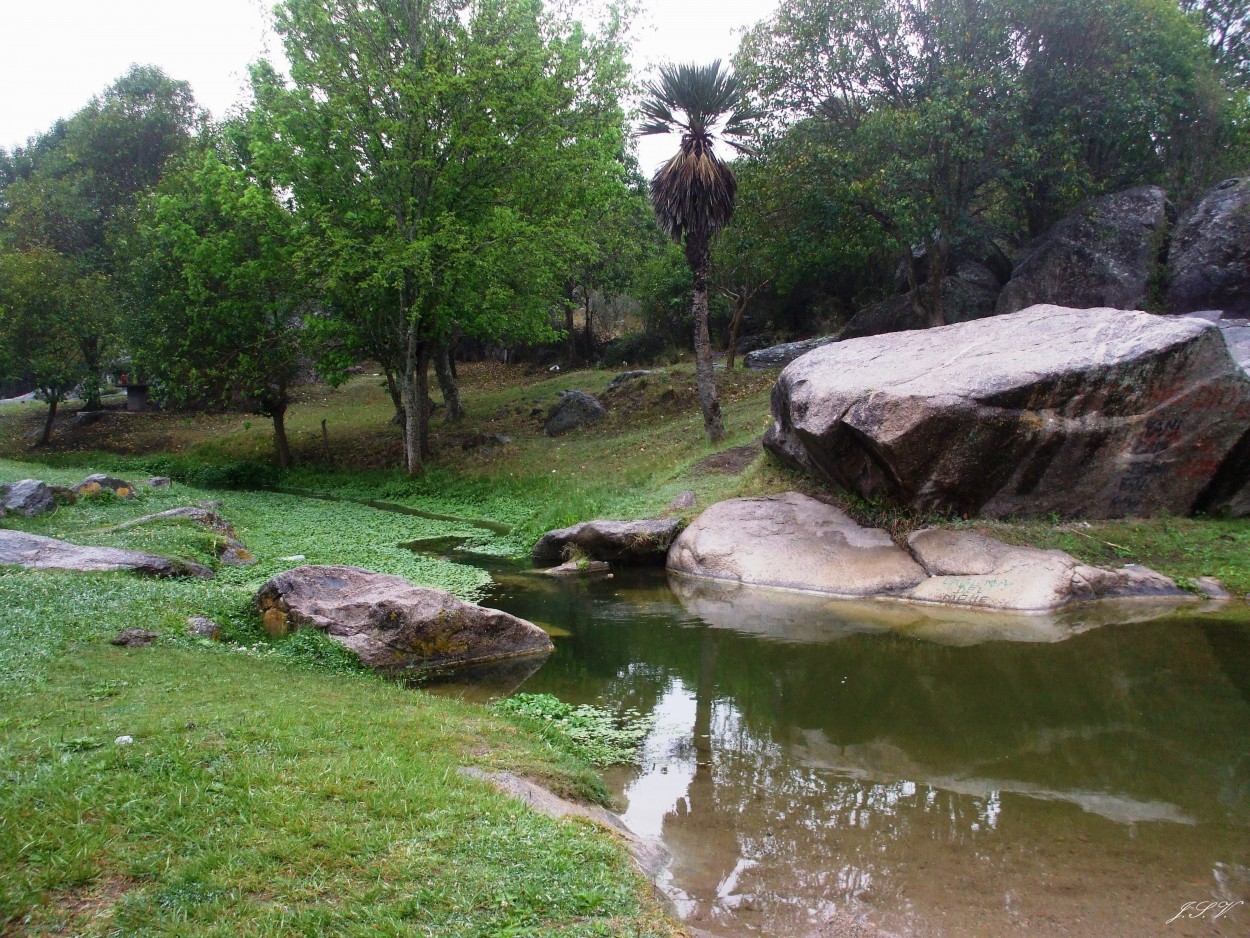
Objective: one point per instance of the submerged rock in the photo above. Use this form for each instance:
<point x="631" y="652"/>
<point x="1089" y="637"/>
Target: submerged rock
<point x="34" y="551"/>
<point x="28" y="497"/>
<point x="1098" y="413"/>
<point x="794" y="542"/>
<point x="391" y="623"/>
<point x="575" y="568"/>
<point x="644" y="542"/>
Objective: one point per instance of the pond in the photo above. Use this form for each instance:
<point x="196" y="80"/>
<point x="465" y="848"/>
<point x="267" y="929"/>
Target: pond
<point x="927" y="774"/>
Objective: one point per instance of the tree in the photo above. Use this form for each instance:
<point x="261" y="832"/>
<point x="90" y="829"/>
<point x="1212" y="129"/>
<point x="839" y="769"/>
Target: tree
<point x="693" y="193"/>
<point x="430" y="145"/>
<point x="43" y="297"/>
<point x="219" y="301"/>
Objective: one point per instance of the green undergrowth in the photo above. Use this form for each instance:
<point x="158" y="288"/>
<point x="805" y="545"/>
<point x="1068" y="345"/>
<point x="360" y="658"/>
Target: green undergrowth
<point x="595" y="734"/>
<point x="269" y="787"/>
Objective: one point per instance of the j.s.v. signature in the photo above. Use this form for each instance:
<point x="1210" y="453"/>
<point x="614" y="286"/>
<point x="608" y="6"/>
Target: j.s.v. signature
<point x="1212" y="909"/>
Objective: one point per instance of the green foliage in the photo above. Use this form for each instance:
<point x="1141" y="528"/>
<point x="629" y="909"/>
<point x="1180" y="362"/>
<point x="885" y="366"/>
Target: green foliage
<point x="599" y="736"/>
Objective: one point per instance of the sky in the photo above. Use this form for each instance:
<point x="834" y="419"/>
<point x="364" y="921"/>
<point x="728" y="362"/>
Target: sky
<point x="56" y="54"/>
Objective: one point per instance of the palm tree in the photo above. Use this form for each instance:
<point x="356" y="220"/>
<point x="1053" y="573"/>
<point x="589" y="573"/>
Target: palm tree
<point x="693" y="193"/>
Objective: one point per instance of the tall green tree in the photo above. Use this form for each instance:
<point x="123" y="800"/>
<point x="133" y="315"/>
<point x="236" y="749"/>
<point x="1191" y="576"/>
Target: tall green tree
<point x="219" y="300"/>
<point x="435" y="148"/>
<point x="693" y="193"/>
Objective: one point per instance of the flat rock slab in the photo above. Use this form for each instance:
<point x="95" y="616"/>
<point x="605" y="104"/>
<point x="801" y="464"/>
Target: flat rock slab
<point x="792" y="541"/>
<point x="391" y="623"/>
<point x="1095" y="412"/>
<point x="971" y="569"/>
<point x="28" y="497"/>
<point x="47" y="553"/>
<point x="641" y="543"/>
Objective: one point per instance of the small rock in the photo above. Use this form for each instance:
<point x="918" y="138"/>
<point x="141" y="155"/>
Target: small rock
<point x="29" y="497"/>
<point x="160" y="482"/>
<point x="123" y="740"/>
<point x="201" y="627"/>
<point x="574" y="409"/>
<point x="1212" y="588"/>
<point x="485" y="440"/>
<point x="627" y="376"/>
<point x="94" y="484"/>
<point x="683" y="502"/>
<point x="134" y="638"/>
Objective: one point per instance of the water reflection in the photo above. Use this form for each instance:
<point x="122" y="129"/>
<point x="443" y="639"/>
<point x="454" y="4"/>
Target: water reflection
<point x="814" y="759"/>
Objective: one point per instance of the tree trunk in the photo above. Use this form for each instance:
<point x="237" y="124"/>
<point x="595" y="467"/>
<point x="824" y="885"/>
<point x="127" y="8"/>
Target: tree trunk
<point x="397" y="398"/>
<point x="570" y="341"/>
<point x="740" y="308"/>
<point x="590" y="333"/>
<point x="91" y="383"/>
<point x="278" y="415"/>
<point x="414" y="404"/>
<point x="698" y="255"/>
<point x="423" y="390"/>
<point x="47" y="424"/>
<point x="939" y="251"/>
<point x="447" y="382"/>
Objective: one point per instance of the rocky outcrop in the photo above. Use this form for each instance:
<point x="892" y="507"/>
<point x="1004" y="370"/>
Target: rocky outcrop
<point x="574" y="409"/>
<point x="94" y="484"/>
<point x="46" y="553"/>
<point x="392" y="624"/>
<point x="644" y="542"/>
<point x="229" y="548"/>
<point x="1098" y="413"/>
<point x="794" y="542"/>
<point x="1209" y="260"/>
<point x="1104" y="254"/>
<point x="28" y="497"/>
<point x="778" y="356"/>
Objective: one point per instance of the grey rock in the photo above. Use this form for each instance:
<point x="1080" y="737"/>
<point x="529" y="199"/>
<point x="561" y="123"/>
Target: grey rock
<point x="1212" y="588"/>
<point x="971" y="569"/>
<point x="1099" y="413"/>
<point x="28" y="497"/>
<point x="643" y="542"/>
<point x="134" y="638"/>
<point x="392" y="624"/>
<point x="574" y="409"/>
<point x="683" y="501"/>
<point x="791" y="541"/>
<point x="778" y="356"/>
<point x="627" y="376"/>
<point x="1102" y="255"/>
<point x="202" y="627"/>
<point x="485" y="441"/>
<point x="1209" y="260"/>
<point x="31" y="550"/>
<point x="160" y="482"/>
<point x="94" y="484"/>
<point x="85" y="418"/>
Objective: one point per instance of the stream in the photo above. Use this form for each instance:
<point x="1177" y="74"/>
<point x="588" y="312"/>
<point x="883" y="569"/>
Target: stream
<point x="928" y="773"/>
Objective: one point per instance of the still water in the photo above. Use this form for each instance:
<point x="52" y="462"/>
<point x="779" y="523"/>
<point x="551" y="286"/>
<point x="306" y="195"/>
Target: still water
<point x="930" y="775"/>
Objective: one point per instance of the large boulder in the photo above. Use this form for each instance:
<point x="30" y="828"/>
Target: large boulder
<point x="778" y="356"/>
<point x="1209" y="260"/>
<point x="47" y="553"/>
<point x="1104" y="254"/>
<point x="574" y="409"/>
<point x="641" y="543"/>
<point x="28" y="497"/>
<point x="392" y="624"/>
<point x="792" y="541"/>
<point x="1098" y="413"/>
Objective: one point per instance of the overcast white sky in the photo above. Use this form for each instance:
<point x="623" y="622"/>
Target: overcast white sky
<point x="55" y="54"/>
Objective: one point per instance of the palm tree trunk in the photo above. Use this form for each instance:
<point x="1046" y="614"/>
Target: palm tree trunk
<point x="704" y="375"/>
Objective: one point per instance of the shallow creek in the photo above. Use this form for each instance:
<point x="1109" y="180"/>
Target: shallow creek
<point x="934" y="774"/>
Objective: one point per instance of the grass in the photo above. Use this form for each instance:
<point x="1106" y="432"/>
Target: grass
<point x="271" y="788"/>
